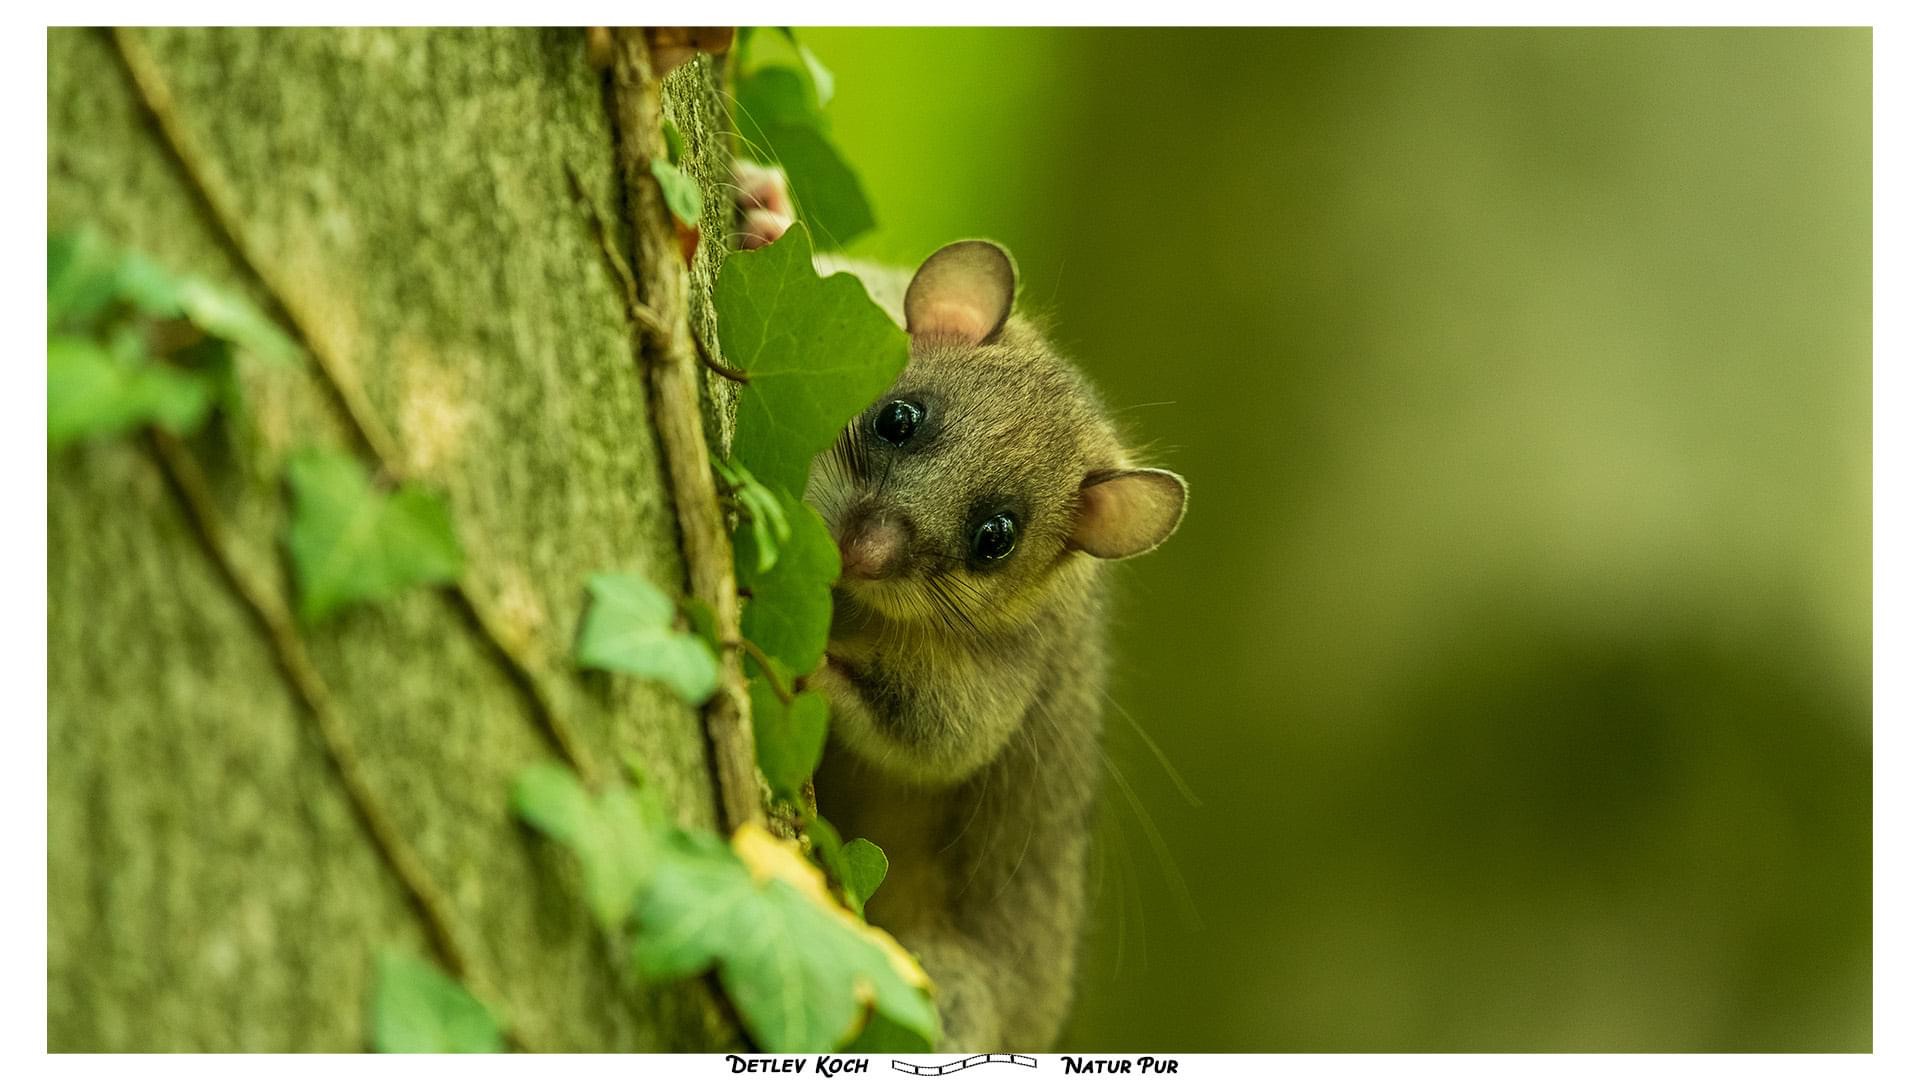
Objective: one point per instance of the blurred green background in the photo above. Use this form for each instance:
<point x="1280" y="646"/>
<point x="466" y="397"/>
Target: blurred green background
<point x="1517" y="643"/>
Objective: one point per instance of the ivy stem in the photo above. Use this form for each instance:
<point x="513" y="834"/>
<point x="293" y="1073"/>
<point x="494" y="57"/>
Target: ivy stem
<point x="202" y="176"/>
<point x="668" y="359"/>
<point x="718" y="368"/>
<point x="270" y="610"/>
<point x="645" y="320"/>
<point x="765" y="662"/>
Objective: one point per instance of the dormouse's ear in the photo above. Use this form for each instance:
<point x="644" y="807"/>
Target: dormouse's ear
<point x="1127" y="512"/>
<point x="963" y="292"/>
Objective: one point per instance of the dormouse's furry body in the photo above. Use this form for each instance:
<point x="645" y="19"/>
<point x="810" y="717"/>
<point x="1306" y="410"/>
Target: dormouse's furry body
<point x="974" y="504"/>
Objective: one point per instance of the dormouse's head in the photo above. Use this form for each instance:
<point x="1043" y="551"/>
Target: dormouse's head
<point x="987" y="472"/>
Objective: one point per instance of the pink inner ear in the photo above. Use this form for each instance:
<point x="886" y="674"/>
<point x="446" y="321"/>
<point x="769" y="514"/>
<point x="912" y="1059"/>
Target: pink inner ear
<point x="954" y="318"/>
<point x="1100" y="517"/>
<point x="964" y="292"/>
<point x="1124" y="514"/>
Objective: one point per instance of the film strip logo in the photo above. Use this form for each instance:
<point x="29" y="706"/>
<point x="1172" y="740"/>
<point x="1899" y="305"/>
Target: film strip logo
<point x="965" y="1063"/>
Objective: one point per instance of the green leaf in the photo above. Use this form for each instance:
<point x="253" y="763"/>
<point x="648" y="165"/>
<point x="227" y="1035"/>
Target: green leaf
<point x="152" y="289"/>
<point x="615" y="836"/>
<point x="798" y="973"/>
<point x="817" y="71"/>
<point x="92" y="393"/>
<point x="768" y="520"/>
<point x="417" y="1009"/>
<point x="792" y="601"/>
<point x="350" y="542"/>
<point x="883" y="1036"/>
<point x="86" y="275"/>
<point x="800" y="969"/>
<point x="866" y="869"/>
<point x="83" y="276"/>
<point x="787" y="738"/>
<point x="773" y="96"/>
<point x="226" y="314"/>
<point x="629" y="628"/>
<point x="697" y="893"/>
<point x="781" y="121"/>
<point x="764" y="514"/>
<point x="858" y="867"/>
<point x="827" y="194"/>
<point x="817" y="351"/>
<point x="676" y="142"/>
<point x="681" y="193"/>
<point x="120" y="298"/>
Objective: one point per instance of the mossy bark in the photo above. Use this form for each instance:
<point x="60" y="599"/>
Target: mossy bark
<point x="212" y="882"/>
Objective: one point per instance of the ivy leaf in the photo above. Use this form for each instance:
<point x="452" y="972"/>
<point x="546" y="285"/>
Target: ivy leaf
<point x="827" y="194"/>
<point x="817" y="351"/>
<point x="866" y="870"/>
<point x="776" y="96"/>
<point x="799" y="968"/>
<point x="83" y="276"/>
<point x="86" y="275"/>
<point x="629" y="628"/>
<point x="614" y="836"/>
<point x="681" y="193"/>
<point x="152" y="289"/>
<point x="225" y="314"/>
<point x="816" y="71"/>
<point x="777" y="112"/>
<point x="764" y="513"/>
<point x="768" y="520"/>
<point x="883" y="1036"/>
<point x="787" y="738"/>
<point x="676" y="142"/>
<point x="791" y="608"/>
<point x="417" y="1009"/>
<point x="858" y="867"/>
<point x="350" y="542"/>
<point x="91" y="393"/>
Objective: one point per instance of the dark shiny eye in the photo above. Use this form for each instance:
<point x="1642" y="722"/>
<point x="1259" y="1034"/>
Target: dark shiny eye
<point x="897" y="421"/>
<point x="993" y="538"/>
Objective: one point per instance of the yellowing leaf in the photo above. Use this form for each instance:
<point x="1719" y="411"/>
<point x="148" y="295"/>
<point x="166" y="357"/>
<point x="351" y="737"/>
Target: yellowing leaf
<point x="770" y="858"/>
<point x="801" y="970"/>
<point x="804" y="974"/>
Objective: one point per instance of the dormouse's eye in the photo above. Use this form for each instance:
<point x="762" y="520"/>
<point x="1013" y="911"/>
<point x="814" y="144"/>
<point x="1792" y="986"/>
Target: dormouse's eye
<point x="993" y="538"/>
<point x="898" y="420"/>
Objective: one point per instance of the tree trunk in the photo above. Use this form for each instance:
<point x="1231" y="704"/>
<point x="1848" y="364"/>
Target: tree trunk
<point x="231" y="837"/>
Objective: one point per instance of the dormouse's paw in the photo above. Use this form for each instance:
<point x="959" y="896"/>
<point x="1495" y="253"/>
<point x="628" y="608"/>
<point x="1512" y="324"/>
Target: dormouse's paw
<point x="765" y="205"/>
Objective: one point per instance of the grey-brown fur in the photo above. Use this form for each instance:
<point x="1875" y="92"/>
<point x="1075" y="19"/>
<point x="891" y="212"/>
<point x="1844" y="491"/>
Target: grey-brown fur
<point x="966" y="698"/>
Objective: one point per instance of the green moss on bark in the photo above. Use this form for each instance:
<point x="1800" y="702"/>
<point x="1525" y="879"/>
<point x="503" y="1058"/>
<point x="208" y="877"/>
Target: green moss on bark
<point x="210" y="886"/>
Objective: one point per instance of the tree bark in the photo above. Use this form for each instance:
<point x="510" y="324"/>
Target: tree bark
<point x="225" y="857"/>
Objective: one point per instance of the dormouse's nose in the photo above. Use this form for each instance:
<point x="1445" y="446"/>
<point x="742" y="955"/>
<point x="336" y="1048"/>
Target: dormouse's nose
<point x="873" y="545"/>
